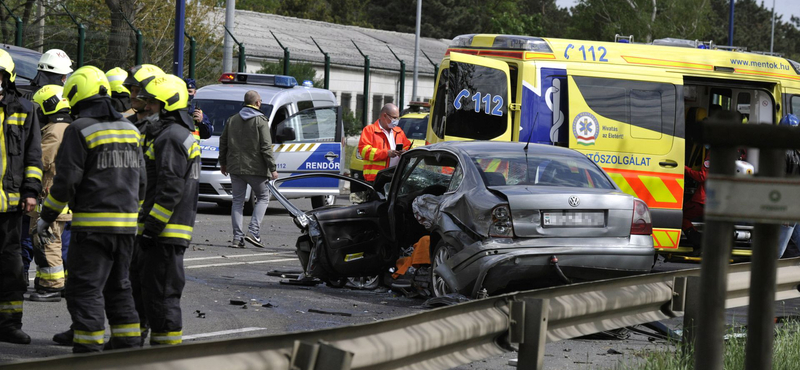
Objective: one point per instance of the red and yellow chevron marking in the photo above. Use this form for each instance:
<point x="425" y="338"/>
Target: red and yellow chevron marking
<point x="666" y="238"/>
<point x="657" y="189"/>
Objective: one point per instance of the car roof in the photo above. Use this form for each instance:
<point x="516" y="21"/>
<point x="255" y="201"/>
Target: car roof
<point x="272" y="95"/>
<point x="415" y="115"/>
<point x="500" y="148"/>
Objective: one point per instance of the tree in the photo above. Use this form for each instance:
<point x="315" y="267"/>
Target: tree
<point x="119" y="39"/>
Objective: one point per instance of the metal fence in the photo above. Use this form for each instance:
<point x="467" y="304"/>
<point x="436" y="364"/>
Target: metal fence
<point x="451" y="336"/>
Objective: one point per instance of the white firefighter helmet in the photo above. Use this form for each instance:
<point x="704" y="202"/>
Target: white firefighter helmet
<point x="55" y="61"/>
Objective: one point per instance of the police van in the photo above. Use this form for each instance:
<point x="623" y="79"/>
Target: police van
<point x="306" y="127"/>
<point x="632" y="108"/>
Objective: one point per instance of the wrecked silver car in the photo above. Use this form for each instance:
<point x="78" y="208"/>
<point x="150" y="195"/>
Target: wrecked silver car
<point x="499" y="216"/>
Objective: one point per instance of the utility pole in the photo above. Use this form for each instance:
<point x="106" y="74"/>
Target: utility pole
<point x="177" y="55"/>
<point x="227" y="53"/>
<point x="772" y="35"/>
<point x="730" y="27"/>
<point x="416" y="53"/>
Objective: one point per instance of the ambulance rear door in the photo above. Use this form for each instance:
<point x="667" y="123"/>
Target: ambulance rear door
<point x="472" y="100"/>
<point x="634" y="129"/>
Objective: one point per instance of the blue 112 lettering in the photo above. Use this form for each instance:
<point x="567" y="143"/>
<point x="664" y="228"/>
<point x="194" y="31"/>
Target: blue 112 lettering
<point x="491" y="104"/>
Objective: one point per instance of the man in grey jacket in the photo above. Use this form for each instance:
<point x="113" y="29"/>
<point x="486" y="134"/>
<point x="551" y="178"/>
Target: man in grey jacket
<point x="246" y="153"/>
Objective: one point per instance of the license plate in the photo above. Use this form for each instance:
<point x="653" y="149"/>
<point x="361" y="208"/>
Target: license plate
<point x="573" y="219"/>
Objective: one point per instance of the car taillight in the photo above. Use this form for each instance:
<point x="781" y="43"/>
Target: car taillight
<point x="641" y="224"/>
<point x="501" y="222"/>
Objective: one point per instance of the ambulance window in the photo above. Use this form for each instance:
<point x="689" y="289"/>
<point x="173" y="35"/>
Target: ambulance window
<point x="512" y="74"/>
<point x="796" y="104"/>
<point x="482" y="112"/>
<point x="437" y="123"/>
<point x="649" y="107"/>
<point x="720" y="98"/>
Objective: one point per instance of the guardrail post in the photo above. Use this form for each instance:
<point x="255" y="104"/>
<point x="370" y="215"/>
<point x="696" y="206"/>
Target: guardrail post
<point x="690" y="312"/>
<point x="365" y="108"/>
<point x="327" y="80"/>
<point x="286" y="55"/>
<point x="761" y="311"/>
<point x="531" y="350"/>
<point x="402" y="79"/>
<point x="717" y="241"/>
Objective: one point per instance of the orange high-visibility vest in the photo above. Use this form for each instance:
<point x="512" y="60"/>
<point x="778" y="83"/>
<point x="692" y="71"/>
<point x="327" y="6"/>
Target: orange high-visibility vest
<point x="374" y="148"/>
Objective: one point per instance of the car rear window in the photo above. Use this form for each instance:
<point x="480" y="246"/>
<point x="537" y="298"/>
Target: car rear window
<point x="218" y="111"/>
<point x="544" y="170"/>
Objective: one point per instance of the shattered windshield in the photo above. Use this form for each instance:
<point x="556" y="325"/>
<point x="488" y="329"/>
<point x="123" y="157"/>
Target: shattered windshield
<point x="550" y="170"/>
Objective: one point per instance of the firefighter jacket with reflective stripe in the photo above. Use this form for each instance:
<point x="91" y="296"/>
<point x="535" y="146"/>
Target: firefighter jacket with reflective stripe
<point x="20" y="152"/>
<point x="98" y="172"/>
<point x="172" y="159"/>
<point x="374" y="148"/>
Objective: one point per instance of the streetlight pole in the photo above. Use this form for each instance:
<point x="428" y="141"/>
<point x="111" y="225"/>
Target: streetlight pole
<point x="416" y="52"/>
<point x="772" y="35"/>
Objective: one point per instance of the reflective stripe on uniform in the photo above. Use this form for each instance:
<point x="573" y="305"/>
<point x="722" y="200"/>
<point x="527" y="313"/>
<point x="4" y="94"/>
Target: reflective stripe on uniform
<point x="34" y="172"/>
<point x="88" y="337"/>
<point x="110" y="132"/>
<point x="139" y="227"/>
<point x="150" y="153"/>
<point x="194" y="151"/>
<point x="54" y="204"/>
<point x="50" y="273"/>
<point x="11" y="307"/>
<point x="172" y="337"/>
<point x="177" y="231"/>
<point x="160" y="213"/>
<point x="13" y="199"/>
<point x="104" y="219"/>
<point x="17" y="119"/>
<point x="126" y="330"/>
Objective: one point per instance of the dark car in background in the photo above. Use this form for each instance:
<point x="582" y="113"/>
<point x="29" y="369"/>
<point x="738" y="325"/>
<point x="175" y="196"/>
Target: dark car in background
<point x="500" y="216"/>
<point x="26" y="61"/>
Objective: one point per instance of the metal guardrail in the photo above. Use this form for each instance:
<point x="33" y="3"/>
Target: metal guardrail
<point x="451" y="336"/>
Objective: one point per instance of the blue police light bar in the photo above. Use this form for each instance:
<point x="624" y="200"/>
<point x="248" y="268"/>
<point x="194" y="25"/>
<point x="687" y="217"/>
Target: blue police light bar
<point x="258" y="79"/>
<point x="507" y="42"/>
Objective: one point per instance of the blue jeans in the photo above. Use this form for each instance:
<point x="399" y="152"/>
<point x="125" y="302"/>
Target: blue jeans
<point x="258" y="185"/>
<point x="787" y="232"/>
<point x="27" y="243"/>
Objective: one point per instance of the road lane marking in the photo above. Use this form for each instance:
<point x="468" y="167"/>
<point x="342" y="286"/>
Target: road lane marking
<point x="230" y="256"/>
<point x="219" y="333"/>
<point x="240" y="263"/>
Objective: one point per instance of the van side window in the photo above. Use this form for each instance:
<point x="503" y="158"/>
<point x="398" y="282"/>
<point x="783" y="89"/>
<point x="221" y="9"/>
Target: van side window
<point x="795" y="103"/>
<point x="649" y="107"/>
<point x="305" y="104"/>
<point x="439" y="109"/>
<point x="280" y="115"/>
<point x="310" y="125"/>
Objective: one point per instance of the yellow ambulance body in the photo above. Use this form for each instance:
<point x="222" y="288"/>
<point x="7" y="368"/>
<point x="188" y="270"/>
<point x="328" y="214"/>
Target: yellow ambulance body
<point x="632" y="108"/>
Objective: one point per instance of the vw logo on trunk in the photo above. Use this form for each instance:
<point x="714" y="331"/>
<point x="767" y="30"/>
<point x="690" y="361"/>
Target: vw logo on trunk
<point x="574" y="201"/>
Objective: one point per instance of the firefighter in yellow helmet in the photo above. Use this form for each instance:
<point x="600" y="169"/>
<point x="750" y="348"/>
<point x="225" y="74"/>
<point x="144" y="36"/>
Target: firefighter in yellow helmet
<point x="120" y="95"/>
<point x="172" y="159"/>
<point x="98" y="161"/>
<point x="55" y="117"/>
<point x="20" y="184"/>
<point x="137" y="77"/>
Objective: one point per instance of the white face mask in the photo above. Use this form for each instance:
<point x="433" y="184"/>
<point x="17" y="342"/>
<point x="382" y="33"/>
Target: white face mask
<point x="393" y="123"/>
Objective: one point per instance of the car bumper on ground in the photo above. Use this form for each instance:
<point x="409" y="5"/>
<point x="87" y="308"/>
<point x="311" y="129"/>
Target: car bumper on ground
<point x="510" y="264"/>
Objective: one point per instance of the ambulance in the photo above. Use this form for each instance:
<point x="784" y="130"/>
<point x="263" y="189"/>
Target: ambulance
<point x="632" y="108"/>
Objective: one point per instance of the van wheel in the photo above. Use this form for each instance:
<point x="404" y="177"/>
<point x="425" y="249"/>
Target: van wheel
<point x="441" y="253"/>
<point x="322" y="201"/>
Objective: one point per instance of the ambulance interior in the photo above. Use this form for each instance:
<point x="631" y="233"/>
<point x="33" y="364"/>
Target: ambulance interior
<point x="712" y="100"/>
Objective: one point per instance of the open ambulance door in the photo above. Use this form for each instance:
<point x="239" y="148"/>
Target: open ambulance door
<point x="634" y="130"/>
<point x="471" y="101"/>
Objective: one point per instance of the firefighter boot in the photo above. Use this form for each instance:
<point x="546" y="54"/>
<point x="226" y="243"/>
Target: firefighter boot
<point x="64" y="338"/>
<point x="14" y="335"/>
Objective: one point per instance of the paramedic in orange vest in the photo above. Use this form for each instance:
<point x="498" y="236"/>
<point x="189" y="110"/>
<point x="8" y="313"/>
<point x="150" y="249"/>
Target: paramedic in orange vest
<point x="379" y="141"/>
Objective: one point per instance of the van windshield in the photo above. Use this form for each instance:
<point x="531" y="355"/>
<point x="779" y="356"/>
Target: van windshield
<point x="476" y="102"/>
<point x="414" y="128"/>
<point x="218" y="111"/>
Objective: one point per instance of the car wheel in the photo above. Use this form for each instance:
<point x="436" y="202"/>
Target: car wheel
<point x="364" y="282"/>
<point x="337" y="283"/>
<point x="322" y="201"/>
<point x="441" y="253"/>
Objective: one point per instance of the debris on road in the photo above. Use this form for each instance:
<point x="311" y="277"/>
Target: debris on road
<point x="228" y="277"/>
<point x="201" y="315"/>
<point x="612" y="351"/>
<point x="268" y="305"/>
<point x="285" y="274"/>
<point x="335" y="313"/>
<point x="448" y="300"/>
<point x="237" y="302"/>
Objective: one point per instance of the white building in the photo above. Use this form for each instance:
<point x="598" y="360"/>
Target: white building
<point x="347" y="65"/>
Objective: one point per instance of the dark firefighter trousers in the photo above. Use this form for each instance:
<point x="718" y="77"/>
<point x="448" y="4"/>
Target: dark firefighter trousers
<point x="12" y="284"/>
<point x="163" y="279"/>
<point x="98" y="285"/>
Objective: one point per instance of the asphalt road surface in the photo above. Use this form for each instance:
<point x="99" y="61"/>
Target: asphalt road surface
<point x="217" y="274"/>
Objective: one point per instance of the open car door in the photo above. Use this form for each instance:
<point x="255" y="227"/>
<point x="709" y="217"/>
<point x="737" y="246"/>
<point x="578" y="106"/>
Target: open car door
<point x="472" y="100"/>
<point x="340" y="242"/>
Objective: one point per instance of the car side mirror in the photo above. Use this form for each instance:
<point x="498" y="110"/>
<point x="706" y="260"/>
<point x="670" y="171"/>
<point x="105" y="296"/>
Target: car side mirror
<point x="285" y="133"/>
